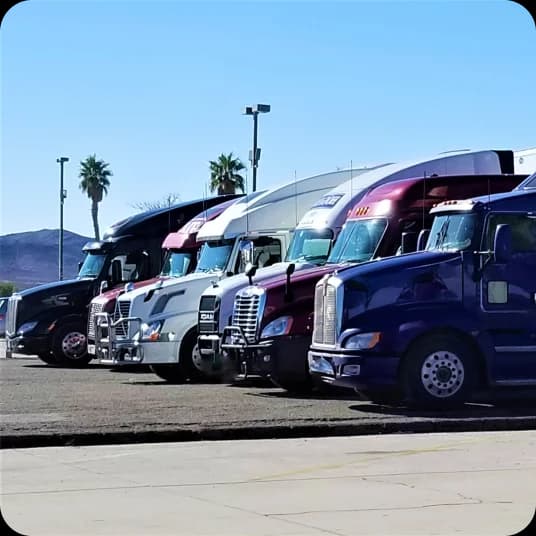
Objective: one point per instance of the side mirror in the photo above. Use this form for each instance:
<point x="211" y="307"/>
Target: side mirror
<point x="422" y="239"/>
<point x="250" y="272"/>
<point x="502" y="243"/>
<point x="290" y="270"/>
<point x="246" y="252"/>
<point x="103" y="287"/>
<point x="408" y="242"/>
<point x="116" y="271"/>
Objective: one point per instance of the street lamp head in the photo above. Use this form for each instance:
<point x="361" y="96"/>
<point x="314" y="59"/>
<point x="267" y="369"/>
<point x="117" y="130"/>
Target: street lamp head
<point x="257" y="109"/>
<point x="262" y="108"/>
<point x="62" y="159"/>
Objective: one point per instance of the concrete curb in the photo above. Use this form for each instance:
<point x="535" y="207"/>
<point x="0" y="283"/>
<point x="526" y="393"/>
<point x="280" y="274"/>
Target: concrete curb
<point x="279" y="431"/>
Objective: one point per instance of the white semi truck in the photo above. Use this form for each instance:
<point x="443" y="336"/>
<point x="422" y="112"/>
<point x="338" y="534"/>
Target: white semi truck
<point x="319" y="228"/>
<point x="157" y="325"/>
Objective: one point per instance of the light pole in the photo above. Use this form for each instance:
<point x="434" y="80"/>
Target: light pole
<point x="63" y="194"/>
<point x="255" y="155"/>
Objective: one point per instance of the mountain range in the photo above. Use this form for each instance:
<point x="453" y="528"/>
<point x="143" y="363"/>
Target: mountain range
<point x="31" y="258"/>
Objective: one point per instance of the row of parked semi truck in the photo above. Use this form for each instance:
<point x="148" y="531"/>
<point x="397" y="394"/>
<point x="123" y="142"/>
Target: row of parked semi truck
<point x="412" y="280"/>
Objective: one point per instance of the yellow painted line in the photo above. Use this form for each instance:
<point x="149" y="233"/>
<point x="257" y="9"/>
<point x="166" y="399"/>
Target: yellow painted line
<point x="409" y="452"/>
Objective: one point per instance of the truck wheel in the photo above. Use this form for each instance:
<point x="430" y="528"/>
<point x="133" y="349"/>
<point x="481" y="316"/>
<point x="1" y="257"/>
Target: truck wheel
<point x="438" y="372"/>
<point x="296" y="387"/>
<point x="70" y="346"/>
<point x="171" y="373"/>
<point x="184" y="369"/>
<point x="49" y="358"/>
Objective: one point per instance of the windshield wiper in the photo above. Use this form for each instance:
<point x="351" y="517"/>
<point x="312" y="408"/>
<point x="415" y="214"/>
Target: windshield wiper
<point x="442" y="234"/>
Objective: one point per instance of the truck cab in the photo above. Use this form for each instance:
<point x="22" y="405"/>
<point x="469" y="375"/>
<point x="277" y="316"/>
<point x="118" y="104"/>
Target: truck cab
<point x="50" y="320"/>
<point x="180" y="250"/>
<point x="319" y="228"/>
<point x="158" y="325"/>
<point x="273" y="339"/>
<point x="432" y="326"/>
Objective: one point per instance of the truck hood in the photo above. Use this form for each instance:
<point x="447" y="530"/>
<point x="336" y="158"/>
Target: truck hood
<point x="232" y="284"/>
<point x="372" y="290"/>
<point x="112" y="294"/>
<point x="70" y="285"/>
<point x="393" y="266"/>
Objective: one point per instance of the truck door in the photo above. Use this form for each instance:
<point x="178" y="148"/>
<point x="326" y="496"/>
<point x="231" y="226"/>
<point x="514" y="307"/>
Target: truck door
<point x="508" y="292"/>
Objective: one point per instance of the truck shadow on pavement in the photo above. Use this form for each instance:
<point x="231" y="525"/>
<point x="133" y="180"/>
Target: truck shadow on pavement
<point x="469" y="410"/>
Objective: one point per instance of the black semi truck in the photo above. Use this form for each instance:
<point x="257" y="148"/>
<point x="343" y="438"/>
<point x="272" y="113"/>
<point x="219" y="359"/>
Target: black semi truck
<point x="50" y="320"/>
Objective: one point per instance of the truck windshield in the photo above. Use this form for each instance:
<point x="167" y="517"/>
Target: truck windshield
<point x="311" y="245"/>
<point x="176" y="264"/>
<point x="214" y="255"/>
<point x="358" y="240"/>
<point x="452" y="231"/>
<point x="92" y="265"/>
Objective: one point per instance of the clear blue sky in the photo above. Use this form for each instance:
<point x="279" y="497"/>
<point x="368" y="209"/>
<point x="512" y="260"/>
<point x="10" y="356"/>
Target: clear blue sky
<point x="157" y="89"/>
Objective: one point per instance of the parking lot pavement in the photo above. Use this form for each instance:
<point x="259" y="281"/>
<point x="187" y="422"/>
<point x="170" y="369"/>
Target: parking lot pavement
<point x="463" y="483"/>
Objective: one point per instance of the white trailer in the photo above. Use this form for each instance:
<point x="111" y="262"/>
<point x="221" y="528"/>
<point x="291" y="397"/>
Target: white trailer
<point x="157" y="325"/>
<point x="525" y="161"/>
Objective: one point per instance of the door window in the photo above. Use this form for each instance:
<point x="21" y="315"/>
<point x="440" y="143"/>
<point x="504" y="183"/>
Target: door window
<point x="523" y="229"/>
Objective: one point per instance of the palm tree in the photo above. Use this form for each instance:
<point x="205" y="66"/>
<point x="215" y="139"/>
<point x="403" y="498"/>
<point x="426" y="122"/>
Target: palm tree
<point x="95" y="182"/>
<point x="224" y="174"/>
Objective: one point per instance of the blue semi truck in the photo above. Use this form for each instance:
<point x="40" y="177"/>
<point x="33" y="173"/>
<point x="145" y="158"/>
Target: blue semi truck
<point x="431" y="327"/>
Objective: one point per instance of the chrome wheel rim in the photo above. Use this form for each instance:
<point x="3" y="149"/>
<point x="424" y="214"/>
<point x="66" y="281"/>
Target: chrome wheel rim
<point x="74" y="345"/>
<point x="204" y="366"/>
<point x="196" y="358"/>
<point x="442" y="374"/>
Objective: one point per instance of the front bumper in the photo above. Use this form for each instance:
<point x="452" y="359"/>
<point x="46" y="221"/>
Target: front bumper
<point x="28" y="345"/>
<point x="283" y="358"/>
<point x="353" y="370"/>
<point x="111" y="349"/>
<point x="243" y="357"/>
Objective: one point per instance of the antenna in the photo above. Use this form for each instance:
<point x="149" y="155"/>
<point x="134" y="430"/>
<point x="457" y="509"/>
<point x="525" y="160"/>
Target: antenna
<point x="247" y="204"/>
<point x="489" y="189"/>
<point x="423" y="198"/>
<point x="351" y="181"/>
<point x="295" y="200"/>
<point x="205" y="194"/>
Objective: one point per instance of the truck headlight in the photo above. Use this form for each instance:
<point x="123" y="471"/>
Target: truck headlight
<point x="27" y="326"/>
<point x="279" y="326"/>
<point x="362" y="341"/>
<point x="151" y="332"/>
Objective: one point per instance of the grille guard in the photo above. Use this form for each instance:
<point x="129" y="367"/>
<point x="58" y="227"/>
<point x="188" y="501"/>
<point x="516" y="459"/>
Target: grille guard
<point x="110" y="342"/>
<point x="244" y="344"/>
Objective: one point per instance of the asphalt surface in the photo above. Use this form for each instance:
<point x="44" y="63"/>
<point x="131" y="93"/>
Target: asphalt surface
<point x="48" y="406"/>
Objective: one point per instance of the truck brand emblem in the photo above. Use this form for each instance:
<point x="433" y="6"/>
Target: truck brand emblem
<point x="206" y="316"/>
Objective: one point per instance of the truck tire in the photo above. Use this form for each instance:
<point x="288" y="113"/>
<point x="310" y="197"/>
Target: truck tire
<point x="184" y="369"/>
<point x="438" y="372"/>
<point x="69" y="345"/>
<point x="296" y="387"/>
<point x="48" y="358"/>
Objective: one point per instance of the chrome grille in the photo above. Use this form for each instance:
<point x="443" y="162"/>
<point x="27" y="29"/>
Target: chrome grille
<point x="330" y="315"/>
<point x="122" y="310"/>
<point x="318" y="327"/>
<point x="93" y="310"/>
<point x="11" y="316"/>
<point x="246" y="314"/>
<point x="325" y="315"/>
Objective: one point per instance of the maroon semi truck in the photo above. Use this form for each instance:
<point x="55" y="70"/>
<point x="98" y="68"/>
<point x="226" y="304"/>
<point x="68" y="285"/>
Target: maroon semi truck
<point x="272" y="321"/>
<point x="181" y="249"/>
